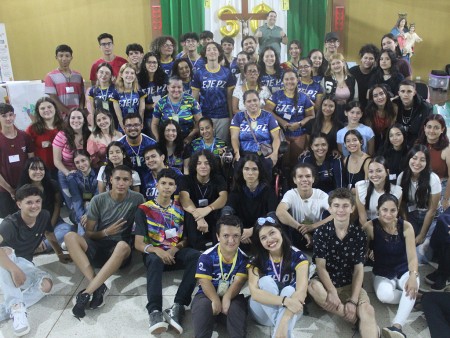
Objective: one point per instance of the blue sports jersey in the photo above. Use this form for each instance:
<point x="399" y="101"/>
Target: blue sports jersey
<point x="199" y="144"/>
<point x="167" y="67"/>
<point x="197" y="64"/>
<point x="289" y="278"/>
<point x="213" y="91"/>
<point x="103" y="98"/>
<point x="289" y="111"/>
<point x="183" y="112"/>
<point x="273" y="82"/>
<point x="234" y="67"/>
<point x="187" y="88"/>
<point x="265" y="124"/>
<point x="154" y="92"/>
<point x="310" y="89"/>
<point x="317" y="78"/>
<point x="128" y="101"/>
<point x="208" y="267"/>
<point x="136" y="152"/>
<point x="148" y="186"/>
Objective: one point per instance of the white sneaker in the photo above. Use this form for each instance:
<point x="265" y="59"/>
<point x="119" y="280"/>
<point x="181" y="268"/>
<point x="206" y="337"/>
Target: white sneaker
<point x="20" y="320"/>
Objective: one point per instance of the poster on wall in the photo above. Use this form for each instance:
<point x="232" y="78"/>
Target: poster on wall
<point x="6" y="73"/>
<point x="23" y="96"/>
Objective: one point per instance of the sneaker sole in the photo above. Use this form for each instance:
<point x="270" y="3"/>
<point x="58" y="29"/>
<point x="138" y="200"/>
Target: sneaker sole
<point x="23" y="333"/>
<point x="103" y="303"/>
<point x="159" y="328"/>
<point x="429" y="281"/>
<point x="173" y="323"/>
<point x="392" y="334"/>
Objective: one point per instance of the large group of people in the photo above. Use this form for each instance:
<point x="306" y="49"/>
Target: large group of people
<point x="173" y="155"/>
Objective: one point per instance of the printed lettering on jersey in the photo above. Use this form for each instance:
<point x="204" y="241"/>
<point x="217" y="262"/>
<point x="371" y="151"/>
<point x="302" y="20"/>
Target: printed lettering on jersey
<point x="259" y="127"/>
<point x="213" y="84"/>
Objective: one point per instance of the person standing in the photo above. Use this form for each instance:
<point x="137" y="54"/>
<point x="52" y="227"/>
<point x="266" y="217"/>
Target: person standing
<point x="271" y="35"/>
<point x="63" y="85"/>
<point x="15" y="147"/>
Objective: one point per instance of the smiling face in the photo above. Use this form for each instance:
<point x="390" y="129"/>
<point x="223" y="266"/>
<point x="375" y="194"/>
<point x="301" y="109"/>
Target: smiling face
<point x="249" y="46"/>
<point x="328" y="107"/>
<point x="229" y="238"/>
<point x="290" y="81"/>
<point x="341" y="209"/>
<point x="115" y="155"/>
<point x="175" y="89"/>
<point x="352" y="143"/>
<point x="133" y="128"/>
<point x="354" y="115"/>
<point x="7" y="119"/>
<point x="76" y="120"/>
<point x="128" y="75"/>
<point x="241" y="60"/>
<point x="317" y="59"/>
<point x="332" y="45"/>
<point x="153" y="160"/>
<point x="82" y="163"/>
<point x="304" y="179"/>
<point x="191" y="45"/>
<point x="184" y="71"/>
<point x="212" y="52"/>
<point x="417" y="163"/>
<point x="252" y="103"/>
<point x="367" y="61"/>
<point x="271" y="239"/>
<point x="379" y="97"/>
<point x="36" y="171"/>
<point x="337" y="66"/>
<point x="104" y="74"/>
<point x="319" y="147"/>
<point x="30" y="206"/>
<point x="103" y="121"/>
<point x="151" y="64"/>
<point x="433" y="131"/>
<point x="252" y="73"/>
<point x="377" y="173"/>
<point x="47" y="111"/>
<point x="206" y="130"/>
<point x="388" y="212"/>
<point x="269" y="58"/>
<point x="167" y="48"/>
<point x="294" y="51"/>
<point x="170" y="133"/>
<point x="135" y="57"/>
<point x="304" y="68"/>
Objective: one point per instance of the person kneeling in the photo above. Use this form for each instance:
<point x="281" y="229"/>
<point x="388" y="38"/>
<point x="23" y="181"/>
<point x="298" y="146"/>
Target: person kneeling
<point x="221" y="273"/>
<point x="159" y="236"/>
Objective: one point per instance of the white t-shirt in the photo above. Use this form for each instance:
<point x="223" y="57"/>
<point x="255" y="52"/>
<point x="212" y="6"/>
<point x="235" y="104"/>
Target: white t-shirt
<point x="134" y="176"/>
<point x="264" y="94"/>
<point x="435" y="185"/>
<point x="361" y="188"/>
<point x="310" y="209"/>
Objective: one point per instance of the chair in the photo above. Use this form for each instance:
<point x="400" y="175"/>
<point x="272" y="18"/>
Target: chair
<point x="423" y="90"/>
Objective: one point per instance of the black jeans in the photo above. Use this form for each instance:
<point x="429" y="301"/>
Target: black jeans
<point x="185" y="258"/>
<point x="436" y="306"/>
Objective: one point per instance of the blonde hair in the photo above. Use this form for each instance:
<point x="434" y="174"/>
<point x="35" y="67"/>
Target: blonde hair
<point x="340" y="57"/>
<point x="120" y="86"/>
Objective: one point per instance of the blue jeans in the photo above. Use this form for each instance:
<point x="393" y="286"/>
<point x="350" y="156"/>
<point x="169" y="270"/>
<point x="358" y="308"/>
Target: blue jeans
<point x="64" y="186"/>
<point x="270" y="315"/>
<point x="29" y="293"/>
<point x="424" y="251"/>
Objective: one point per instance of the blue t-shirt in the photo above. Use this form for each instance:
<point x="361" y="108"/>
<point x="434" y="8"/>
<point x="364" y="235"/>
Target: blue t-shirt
<point x="213" y="91"/>
<point x="187" y="88"/>
<point x="183" y="111"/>
<point x="310" y="89"/>
<point x="292" y="112"/>
<point x="128" y="101"/>
<point x="273" y="82"/>
<point x="103" y="98"/>
<point x="234" y="67"/>
<point x="148" y="186"/>
<point x="197" y="64"/>
<point x="154" y="92"/>
<point x="264" y="124"/>
<point x="167" y="66"/>
<point x="136" y="152"/>
<point x="289" y="277"/>
<point x="208" y="267"/>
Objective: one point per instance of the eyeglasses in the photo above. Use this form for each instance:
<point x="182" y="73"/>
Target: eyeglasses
<point x="152" y="62"/>
<point x="304" y="67"/>
<point x="189" y="41"/>
<point x="252" y="71"/>
<point x="168" y="45"/>
<point x="106" y="44"/>
<point x="133" y="126"/>
<point x="263" y="220"/>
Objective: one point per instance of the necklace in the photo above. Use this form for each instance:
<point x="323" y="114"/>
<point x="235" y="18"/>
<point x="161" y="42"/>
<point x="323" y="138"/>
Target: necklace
<point x="407" y="118"/>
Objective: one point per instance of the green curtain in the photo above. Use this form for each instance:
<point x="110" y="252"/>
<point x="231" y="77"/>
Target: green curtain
<point x="306" y="20"/>
<point x="182" y="16"/>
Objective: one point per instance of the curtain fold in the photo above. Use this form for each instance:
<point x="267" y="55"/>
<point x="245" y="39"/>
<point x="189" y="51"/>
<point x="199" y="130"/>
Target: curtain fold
<point x="306" y="21"/>
<point x="182" y="16"/>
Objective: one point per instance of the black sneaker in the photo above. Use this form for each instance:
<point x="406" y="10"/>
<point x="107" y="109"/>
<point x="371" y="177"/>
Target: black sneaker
<point x="431" y="277"/>
<point x="393" y="332"/>
<point x="82" y="301"/>
<point x="157" y="324"/>
<point x="98" y="297"/>
<point x="174" y="316"/>
<point x="440" y="284"/>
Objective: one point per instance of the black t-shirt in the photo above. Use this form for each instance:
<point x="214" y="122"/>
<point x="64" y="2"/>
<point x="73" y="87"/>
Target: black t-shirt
<point x="23" y="239"/>
<point x="363" y="84"/>
<point x="208" y="191"/>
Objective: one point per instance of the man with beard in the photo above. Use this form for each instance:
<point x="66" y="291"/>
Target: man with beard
<point x="248" y="45"/>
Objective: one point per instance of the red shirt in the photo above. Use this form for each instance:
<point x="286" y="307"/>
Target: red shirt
<point x="116" y="63"/>
<point x="43" y="145"/>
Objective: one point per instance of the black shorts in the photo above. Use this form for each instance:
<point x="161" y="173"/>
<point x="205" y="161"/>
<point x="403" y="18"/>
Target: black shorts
<point x="98" y="252"/>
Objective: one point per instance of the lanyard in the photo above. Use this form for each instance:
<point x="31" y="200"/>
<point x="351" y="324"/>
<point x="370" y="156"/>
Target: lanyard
<point x="277" y="275"/>
<point x="104" y="96"/>
<point x="211" y="147"/>
<point x="201" y="191"/>
<point x="176" y="105"/>
<point x="226" y="276"/>
<point x="163" y="212"/>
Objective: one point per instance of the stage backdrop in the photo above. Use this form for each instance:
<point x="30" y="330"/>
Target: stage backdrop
<point x="304" y="20"/>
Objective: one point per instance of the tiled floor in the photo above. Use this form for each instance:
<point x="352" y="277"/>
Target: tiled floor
<point x="124" y="313"/>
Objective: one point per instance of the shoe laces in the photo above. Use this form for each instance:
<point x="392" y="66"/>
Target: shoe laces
<point x="19" y="317"/>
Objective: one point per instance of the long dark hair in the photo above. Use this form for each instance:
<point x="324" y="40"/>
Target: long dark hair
<point x="252" y="63"/>
<point x="211" y="160"/>
<point x="39" y="126"/>
<point x="276" y="65"/>
<point x="371" y="108"/>
<point x="97" y="131"/>
<point x="443" y="141"/>
<point x="109" y="166"/>
<point x="179" y="144"/>
<point x="261" y="256"/>
<point x="323" y="68"/>
<point x="423" y="192"/>
<point x="159" y="78"/>
<point x="175" y="71"/>
<point x="48" y="188"/>
<point x="296" y="91"/>
<point x="70" y="134"/>
<point x="387" y="184"/>
<point x="378" y="76"/>
<point x="313" y="138"/>
<point x="318" y="120"/>
<point x="391" y="36"/>
<point x="388" y="147"/>
<point x="239" y="182"/>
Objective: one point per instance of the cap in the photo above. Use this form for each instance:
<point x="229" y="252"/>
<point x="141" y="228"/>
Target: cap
<point x="331" y="36"/>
